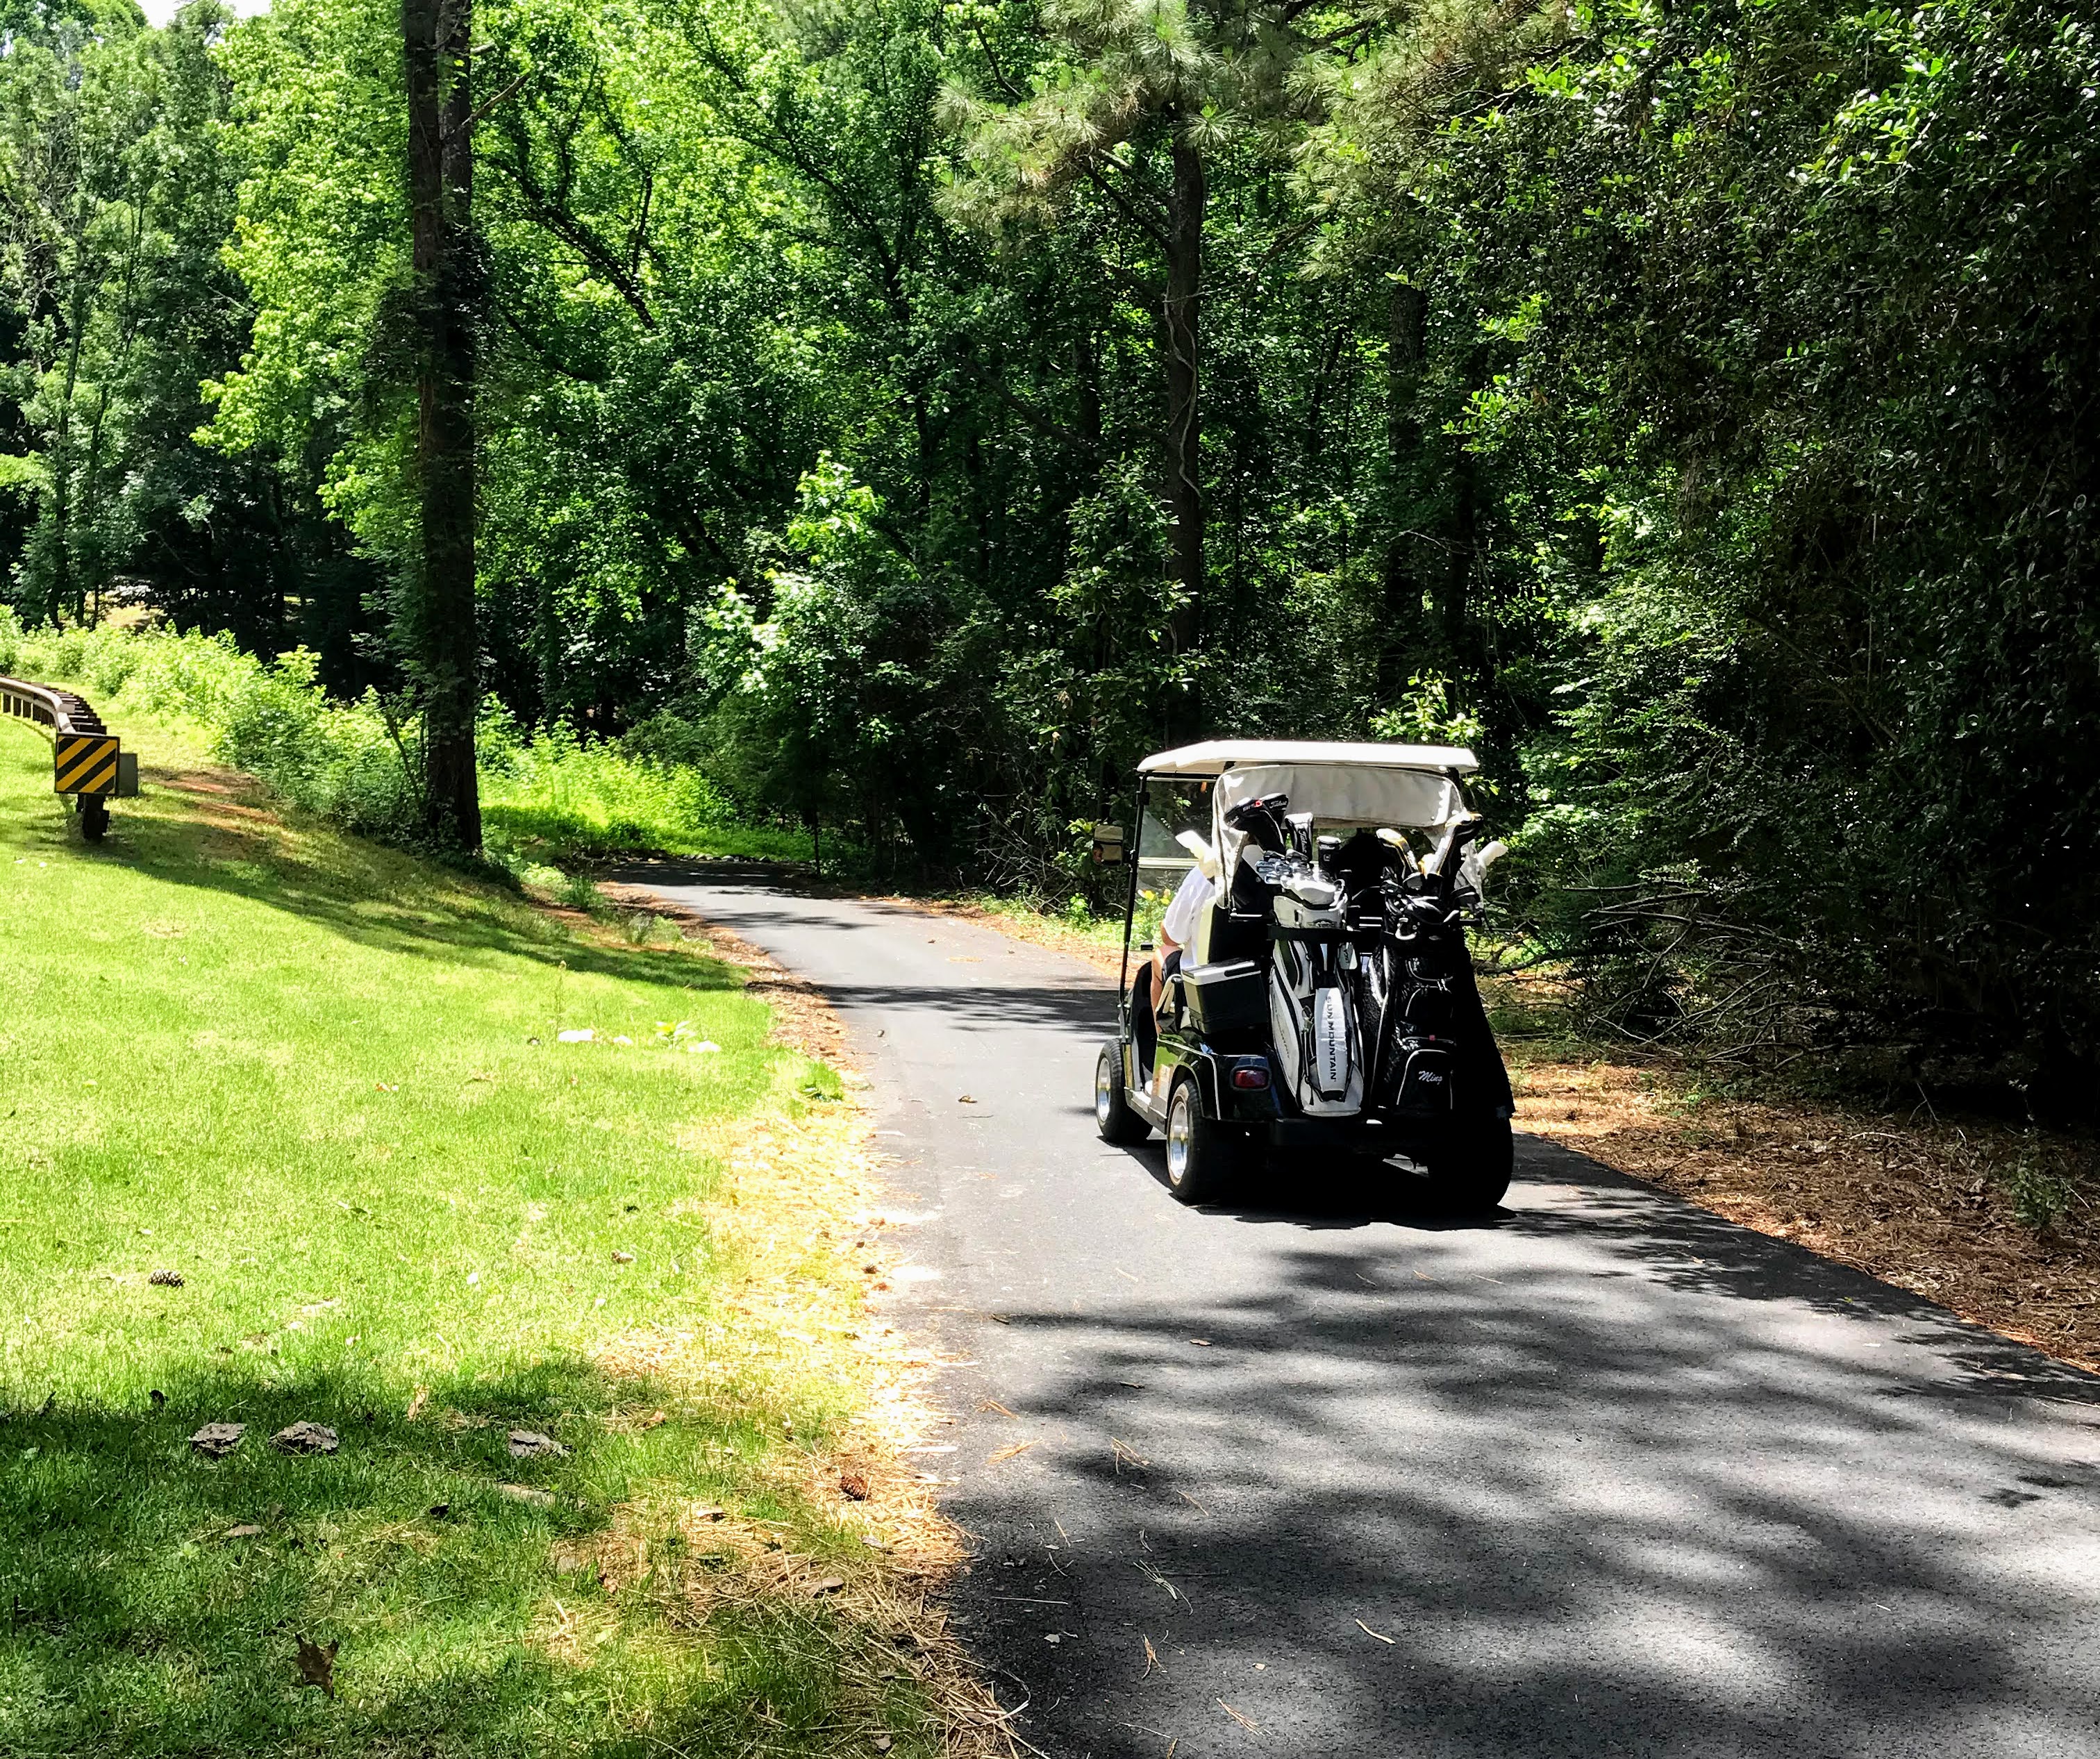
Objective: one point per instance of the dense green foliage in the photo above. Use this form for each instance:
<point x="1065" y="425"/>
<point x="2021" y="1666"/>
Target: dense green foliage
<point x="918" y="411"/>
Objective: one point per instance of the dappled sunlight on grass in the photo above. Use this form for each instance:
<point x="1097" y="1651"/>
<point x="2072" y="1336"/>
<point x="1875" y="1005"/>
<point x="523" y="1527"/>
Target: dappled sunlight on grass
<point x="321" y="1083"/>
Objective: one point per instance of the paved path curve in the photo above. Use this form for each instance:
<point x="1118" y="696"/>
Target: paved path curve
<point x="1604" y="1475"/>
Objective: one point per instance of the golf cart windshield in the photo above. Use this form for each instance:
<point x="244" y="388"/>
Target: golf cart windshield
<point x="1172" y="807"/>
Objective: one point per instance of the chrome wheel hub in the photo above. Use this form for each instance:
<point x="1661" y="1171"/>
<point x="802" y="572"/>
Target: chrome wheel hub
<point x="1104" y="1091"/>
<point x="1178" y="1125"/>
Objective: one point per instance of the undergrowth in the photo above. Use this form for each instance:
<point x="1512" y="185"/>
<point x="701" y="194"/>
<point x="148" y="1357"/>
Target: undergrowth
<point x="549" y="799"/>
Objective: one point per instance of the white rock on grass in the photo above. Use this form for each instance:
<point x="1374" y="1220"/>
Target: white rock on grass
<point x="576" y="1035"/>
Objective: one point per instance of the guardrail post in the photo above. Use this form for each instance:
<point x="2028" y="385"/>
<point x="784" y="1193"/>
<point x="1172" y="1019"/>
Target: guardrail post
<point x="88" y="761"/>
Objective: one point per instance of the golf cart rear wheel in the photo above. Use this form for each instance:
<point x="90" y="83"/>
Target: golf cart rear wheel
<point x="1113" y="1117"/>
<point x="1471" y="1169"/>
<point x="1203" y="1156"/>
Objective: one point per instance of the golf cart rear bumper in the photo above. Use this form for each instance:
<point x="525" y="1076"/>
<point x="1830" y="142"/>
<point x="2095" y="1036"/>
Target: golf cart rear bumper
<point x="1382" y="1136"/>
<point x="1315" y="1132"/>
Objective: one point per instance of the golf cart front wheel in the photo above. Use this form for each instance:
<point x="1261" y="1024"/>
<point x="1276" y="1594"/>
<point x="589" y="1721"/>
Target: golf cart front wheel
<point x="1470" y="1170"/>
<point x="1113" y="1117"/>
<point x="1203" y="1156"/>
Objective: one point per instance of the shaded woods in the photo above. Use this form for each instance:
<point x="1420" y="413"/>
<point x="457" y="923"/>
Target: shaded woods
<point x="911" y="413"/>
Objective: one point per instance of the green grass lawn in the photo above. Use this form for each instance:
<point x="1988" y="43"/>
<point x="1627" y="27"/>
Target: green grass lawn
<point x="320" y="1081"/>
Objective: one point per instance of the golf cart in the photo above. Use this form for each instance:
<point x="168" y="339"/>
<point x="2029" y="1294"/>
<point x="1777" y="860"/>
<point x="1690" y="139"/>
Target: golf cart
<point x="1326" y="1001"/>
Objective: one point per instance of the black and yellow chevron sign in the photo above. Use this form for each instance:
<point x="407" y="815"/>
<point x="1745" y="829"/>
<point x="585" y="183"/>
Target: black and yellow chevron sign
<point x="84" y="762"/>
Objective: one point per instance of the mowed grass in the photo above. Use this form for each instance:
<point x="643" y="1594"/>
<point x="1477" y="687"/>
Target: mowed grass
<point x="321" y="1082"/>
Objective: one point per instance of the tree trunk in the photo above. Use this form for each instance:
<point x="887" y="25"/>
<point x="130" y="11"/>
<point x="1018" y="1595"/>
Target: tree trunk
<point x="443" y="643"/>
<point x="1185" y="459"/>
<point x="63" y="570"/>
<point x="1086" y="369"/>
<point x="1407" y="325"/>
<point x="1464" y="542"/>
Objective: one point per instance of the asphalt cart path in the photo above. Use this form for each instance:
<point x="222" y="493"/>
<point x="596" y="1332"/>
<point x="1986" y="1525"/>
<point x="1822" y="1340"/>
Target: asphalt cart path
<point x="1312" y="1475"/>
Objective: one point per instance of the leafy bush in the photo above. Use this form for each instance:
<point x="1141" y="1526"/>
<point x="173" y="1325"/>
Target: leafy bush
<point x="344" y="761"/>
<point x="354" y="763"/>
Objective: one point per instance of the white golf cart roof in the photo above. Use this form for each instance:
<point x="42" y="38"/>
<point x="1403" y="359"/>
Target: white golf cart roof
<point x="1406" y="786"/>
<point x="1214" y="757"/>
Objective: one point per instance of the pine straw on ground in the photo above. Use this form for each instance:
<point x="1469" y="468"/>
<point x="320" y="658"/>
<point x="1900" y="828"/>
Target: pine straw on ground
<point x="801" y="1211"/>
<point x="1923" y="1203"/>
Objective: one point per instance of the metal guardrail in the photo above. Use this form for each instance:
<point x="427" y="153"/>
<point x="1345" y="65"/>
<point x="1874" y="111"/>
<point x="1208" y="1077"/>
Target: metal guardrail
<point x="88" y="761"/>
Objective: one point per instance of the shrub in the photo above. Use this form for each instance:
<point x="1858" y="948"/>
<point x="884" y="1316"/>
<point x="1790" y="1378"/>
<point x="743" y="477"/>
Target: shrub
<point x="356" y="763"/>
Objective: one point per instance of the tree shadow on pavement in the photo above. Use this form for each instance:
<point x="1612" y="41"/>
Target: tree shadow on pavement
<point x="1610" y="1475"/>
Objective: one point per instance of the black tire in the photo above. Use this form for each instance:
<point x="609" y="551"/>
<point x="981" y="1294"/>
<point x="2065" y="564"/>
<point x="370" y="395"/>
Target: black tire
<point x="1471" y="1170"/>
<point x="1113" y="1117"/>
<point x="1204" y="1157"/>
<point x="94" y="818"/>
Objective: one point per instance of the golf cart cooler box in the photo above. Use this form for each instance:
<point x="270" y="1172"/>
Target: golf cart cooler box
<point x="1227" y="997"/>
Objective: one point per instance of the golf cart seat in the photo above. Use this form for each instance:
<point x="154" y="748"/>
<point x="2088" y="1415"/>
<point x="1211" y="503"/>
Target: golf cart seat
<point x="1235" y="929"/>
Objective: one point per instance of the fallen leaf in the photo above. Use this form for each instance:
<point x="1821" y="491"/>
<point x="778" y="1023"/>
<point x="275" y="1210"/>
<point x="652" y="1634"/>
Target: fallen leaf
<point x="1201" y="1343"/>
<point x="993" y="1404"/>
<point x="622" y="1257"/>
<point x="303" y="1437"/>
<point x="166" y="1279"/>
<point x="529" y="1444"/>
<point x="317" y="1665"/>
<point x="831" y="1584"/>
<point x="709" y="1513"/>
<point x="1151" y="1657"/>
<point x="1252" y="1728"/>
<point x="218" y="1439"/>
<point x="853" y="1485"/>
<point x="542" y="1499"/>
<point x="416" y="1404"/>
<point x="1008" y="1454"/>
<point x="576" y="1035"/>
<point x="882" y="1743"/>
<point x="384" y="1086"/>
<point x="246" y="1530"/>
<point x="966" y="1100"/>
<point x="1368" y="1632"/>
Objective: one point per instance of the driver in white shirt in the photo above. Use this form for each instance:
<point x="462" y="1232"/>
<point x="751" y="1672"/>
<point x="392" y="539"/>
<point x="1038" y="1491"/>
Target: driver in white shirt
<point x="1177" y="928"/>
